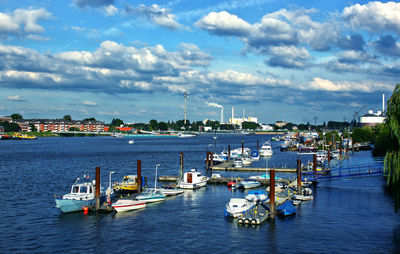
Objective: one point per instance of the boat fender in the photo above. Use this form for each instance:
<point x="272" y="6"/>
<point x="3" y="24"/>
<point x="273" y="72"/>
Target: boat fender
<point x="253" y="221"/>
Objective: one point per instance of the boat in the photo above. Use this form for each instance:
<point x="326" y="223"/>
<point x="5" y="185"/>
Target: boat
<point x="80" y="196"/>
<point x="286" y="208"/>
<point x="305" y="195"/>
<point x="127" y="185"/>
<point x="248" y="184"/>
<point x="257" y="196"/>
<point x="4" y="136"/>
<point x="192" y="180"/>
<point x="186" y="135"/>
<point x="237" y="163"/>
<point x="124" y="205"/>
<point x="246" y="160"/>
<point x="150" y="195"/>
<point x="266" y="150"/>
<point x="216" y="175"/>
<point x="170" y="190"/>
<point x="117" y="135"/>
<point x="237" y="206"/>
<point x="264" y="176"/>
<point x="131" y="141"/>
<point x="232" y="183"/>
<point x="255" y="155"/>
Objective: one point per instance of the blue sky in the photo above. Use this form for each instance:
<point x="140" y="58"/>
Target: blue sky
<point x="276" y="60"/>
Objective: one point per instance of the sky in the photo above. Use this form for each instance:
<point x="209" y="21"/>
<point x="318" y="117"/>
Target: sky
<point x="293" y="61"/>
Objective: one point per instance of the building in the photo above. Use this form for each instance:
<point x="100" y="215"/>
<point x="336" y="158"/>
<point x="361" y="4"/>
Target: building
<point x="266" y="127"/>
<point x="239" y="121"/>
<point x="5" y="118"/>
<point x="59" y="125"/>
<point x="372" y="119"/>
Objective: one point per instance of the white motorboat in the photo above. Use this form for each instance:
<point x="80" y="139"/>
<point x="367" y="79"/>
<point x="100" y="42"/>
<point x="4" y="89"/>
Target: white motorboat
<point x="124" y="205"/>
<point x="237" y="163"/>
<point x="306" y="194"/>
<point x="237" y="206"/>
<point x="257" y="196"/>
<point x="131" y="141"/>
<point x="150" y="195"/>
<point x="170" y="190"/>
<point x="248" y="184"/>
<point x="192" y="180"/>
<point x="247" y="160"/>
<point x="266" y="150"/>
<point x="186" y="135"/>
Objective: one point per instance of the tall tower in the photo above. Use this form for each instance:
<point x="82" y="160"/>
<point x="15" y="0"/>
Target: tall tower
<point x="233" y="114"/>
<point x="222" y="114"/>
<point x="185" y="94"/>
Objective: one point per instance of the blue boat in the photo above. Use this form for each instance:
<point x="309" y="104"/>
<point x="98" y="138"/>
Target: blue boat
<point x="81" y="195"/>
<point x="286" y="208"/>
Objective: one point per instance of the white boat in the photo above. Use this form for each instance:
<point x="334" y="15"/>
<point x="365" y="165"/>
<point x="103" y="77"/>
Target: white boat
<point x="248" y="184"/>
<point x="237" y="206"/>
<point x="124" y="205"/>
<point x="170" y="191"/>
<point x="237" y="163"/>
<point x="256" y="196"/>
<point x="186" y="135"/>
<point x="322" y="156"/>
<point x="306" y="194"/>
<point x="150" y="195"/>
<point x="266" y="150"/>
<point x="131" y="141"/>
<point x="81" y="195"/>
<point x="246" y="160"/>
<point x="192" y="180"/>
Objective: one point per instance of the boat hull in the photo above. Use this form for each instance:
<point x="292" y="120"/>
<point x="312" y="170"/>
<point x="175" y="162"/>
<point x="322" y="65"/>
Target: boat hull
<point x="72" y="205"/>
<point x="128" y="205"/>
<point x="192" y="185"/>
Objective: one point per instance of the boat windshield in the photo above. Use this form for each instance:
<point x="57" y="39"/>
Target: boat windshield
<point x="75" y="189"/>
<point x="84" y="189"/>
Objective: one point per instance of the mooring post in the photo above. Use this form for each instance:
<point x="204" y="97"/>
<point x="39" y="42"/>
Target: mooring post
<point x="298" y="170"/>
<point x="352" y="146"/>
<point x="211" y="159"/>
<point x="242" y="148"/>
<point x="97" y="189"/>
<point x="181" y="164"/>
<point x="139" y="176"/>
<point x="329" y="156"/>
<point x="229" y="152"/>
<point x="258" y="145"/>
<point x="314" y="166"/>
<point x="272" y="193"/>
<point x="208" y="160"/>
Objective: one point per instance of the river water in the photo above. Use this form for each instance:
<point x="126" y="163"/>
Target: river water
<point x="354" y="215"/>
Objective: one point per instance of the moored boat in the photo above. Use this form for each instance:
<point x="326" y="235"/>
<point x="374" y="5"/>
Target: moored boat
<point x="80" y="196"/>
<point x="257" y="196"/>
<point x="248" y="184"/>
<point x="124" y="205"/>
<point x="237" y="206"/>
<point x="170" y="190"/>
<point x="266" y="150"/>
<point x="286" y="208"/>
<point x="192" y="180"/>
<point x="150" y="195"/>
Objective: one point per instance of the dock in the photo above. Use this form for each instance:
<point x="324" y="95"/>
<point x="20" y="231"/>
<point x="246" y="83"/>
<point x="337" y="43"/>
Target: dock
<point x="228" y="166"/>
<point x="254" y="216"/>
<point x="223" y="180"/>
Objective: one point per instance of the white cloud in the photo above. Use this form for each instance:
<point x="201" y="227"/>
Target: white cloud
<point x="374" y="16"/>
<point x="23" y="21"/>
<point x="346" y="86"/>
<point x="111" y="10"/>
<point x="89" y="103"/>
<point x="15" y="98"/>
<point x="224" y="23"/>
<point x="155" y="14"/>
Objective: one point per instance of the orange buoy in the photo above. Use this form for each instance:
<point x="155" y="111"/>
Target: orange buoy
<point x="85" y="210"/>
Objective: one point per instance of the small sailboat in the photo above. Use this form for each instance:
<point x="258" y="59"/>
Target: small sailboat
<point x="152" y="194"/>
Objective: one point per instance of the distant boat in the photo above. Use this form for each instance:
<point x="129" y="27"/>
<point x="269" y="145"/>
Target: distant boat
<point x="124" y="205"/>
<point x="186" y="135"/>
<point x="266" y="150"/>
<point x="248" y="184"/>
<point x="131" y="141"/>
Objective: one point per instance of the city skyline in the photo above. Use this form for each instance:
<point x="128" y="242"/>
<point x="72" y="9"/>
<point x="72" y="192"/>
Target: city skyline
<point x="277" y="60"/>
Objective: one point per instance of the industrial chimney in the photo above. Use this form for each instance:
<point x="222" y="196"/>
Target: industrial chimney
<point x="383" y="103"/>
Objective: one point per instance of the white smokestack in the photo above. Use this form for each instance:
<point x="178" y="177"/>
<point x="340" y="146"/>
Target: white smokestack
<point x="383" y="103"/>
<point x="233" y="114"/>
<point x="212" y="104"/>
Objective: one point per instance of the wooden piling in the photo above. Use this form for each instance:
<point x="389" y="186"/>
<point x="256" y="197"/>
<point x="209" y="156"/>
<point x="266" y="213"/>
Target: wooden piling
<point x="97" y="188"/>
<point x="211" y="159"/>
<point x="272" y="193"/>
<point x="314" y="167"/>
<point x="208" y="160"/>
<point x="181" y="164"/>
<point x="242" y="148"/>
<point x="258" y="145"/>
<point x="139" y="176"/>
<point x="229" y="152"/>
<point x="298" y="171"/>
<point x="329" y="156"/>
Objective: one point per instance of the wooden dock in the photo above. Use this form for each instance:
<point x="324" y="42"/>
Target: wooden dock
<point x="223" y="180"/>
<point x="228" y="166"/>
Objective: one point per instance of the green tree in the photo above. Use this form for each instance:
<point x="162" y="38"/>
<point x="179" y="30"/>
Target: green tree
<point x="163" y="126"/>
<point x="67" y="118"/>
<point x="363" y="134"/>
<point x="91" y="119"/>
<point x="16" y="117"/>
<point x="250" y="126"/>
<point x="153" y="124"/>
<point x="33" y="128"/>
<point x="8" y="127"/>
<point x="116" y="122"/>
<point x="73" y="129"/>
<point x="392" y="158"/>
